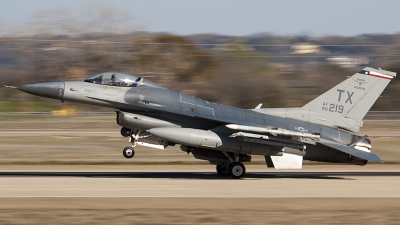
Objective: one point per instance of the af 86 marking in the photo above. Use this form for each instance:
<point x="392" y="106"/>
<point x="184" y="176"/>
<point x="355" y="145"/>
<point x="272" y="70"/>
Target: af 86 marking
<point x="331" y="107"/>
<point x="337" y="107"/>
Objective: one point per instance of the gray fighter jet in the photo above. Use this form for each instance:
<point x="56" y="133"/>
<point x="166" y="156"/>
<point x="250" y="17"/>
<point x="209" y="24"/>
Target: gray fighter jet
<point x="323" y="130"/>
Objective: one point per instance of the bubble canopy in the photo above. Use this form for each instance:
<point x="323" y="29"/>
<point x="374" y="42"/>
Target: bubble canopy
<point x="115" y="79"/>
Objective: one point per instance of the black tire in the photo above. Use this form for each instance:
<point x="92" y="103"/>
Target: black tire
<point x="237" y="170"/>
<point x="128" y="152"/>
<point x="223" y="170"/>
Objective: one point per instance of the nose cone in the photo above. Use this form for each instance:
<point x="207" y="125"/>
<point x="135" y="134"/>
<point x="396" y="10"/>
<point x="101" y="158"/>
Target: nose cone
<point x="49" y="90"/>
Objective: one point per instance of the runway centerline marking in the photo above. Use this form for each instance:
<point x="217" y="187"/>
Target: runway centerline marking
<point x="215" y="197"/>
<point x="190" y="189"/>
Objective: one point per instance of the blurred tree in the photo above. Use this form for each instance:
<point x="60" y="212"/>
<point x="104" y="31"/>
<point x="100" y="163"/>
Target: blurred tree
<point x="174" y="56"/>
<point x="228" y="70"/>
<point x="245" y="78"/>
<point x="389" y="99"/>
<point x="2" y="29"/>
<point x="96" y="17"/>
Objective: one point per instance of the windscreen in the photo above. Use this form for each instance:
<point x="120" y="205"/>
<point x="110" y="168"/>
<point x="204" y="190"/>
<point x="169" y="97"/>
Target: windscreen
<point x="115" y="79"/>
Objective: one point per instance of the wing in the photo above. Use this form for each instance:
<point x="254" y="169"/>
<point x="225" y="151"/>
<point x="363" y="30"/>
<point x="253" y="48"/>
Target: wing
<point x="293" y="145"/>
<point x="298" y="138"/>
<point x="294" y="140"/>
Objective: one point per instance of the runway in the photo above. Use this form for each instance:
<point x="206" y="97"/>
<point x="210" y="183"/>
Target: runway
<point x="117" y="134"/>
<point x="201" y="183"/>
<point x="195" y="194"/>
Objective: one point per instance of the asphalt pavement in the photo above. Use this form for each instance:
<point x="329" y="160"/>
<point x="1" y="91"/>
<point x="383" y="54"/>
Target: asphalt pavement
<point x="150" y="183"/>
<point x="117" y="134"/>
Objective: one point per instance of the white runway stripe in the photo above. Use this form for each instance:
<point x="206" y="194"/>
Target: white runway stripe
<point x="210" y="197"/>
<point x="117" y="134"/>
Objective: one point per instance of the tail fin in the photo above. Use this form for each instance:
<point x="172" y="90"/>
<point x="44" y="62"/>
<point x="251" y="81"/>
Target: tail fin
<point x="353" y="97"/>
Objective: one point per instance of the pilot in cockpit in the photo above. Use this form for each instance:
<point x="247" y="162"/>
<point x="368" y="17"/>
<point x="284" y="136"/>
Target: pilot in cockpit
<point x="116" y="79"/>
<point x="98" y="80"/>
<point x="113" y="79"/>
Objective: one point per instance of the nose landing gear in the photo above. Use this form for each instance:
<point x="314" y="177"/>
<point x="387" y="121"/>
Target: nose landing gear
<point x="129" y="152"/>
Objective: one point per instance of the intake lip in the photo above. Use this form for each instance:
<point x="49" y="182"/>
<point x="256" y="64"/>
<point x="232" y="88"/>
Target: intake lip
<point x="53" y="90"/>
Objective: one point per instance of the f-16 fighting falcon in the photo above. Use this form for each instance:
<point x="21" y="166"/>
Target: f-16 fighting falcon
<point x="323" y="130"/>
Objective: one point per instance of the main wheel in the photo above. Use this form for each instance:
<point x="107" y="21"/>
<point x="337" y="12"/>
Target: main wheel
<point x="237" y="170"/>
<point x="223" y="170"/>
<point x="128" y="152"/>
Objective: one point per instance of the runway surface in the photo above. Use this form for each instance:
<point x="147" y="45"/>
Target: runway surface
<point x="117" y="134"/>
<point x="201" y="183"/>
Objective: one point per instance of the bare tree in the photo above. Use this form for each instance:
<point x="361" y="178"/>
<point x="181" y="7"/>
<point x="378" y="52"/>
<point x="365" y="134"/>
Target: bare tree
<point x="96" y="17"/>
<point x="101" y="18"/>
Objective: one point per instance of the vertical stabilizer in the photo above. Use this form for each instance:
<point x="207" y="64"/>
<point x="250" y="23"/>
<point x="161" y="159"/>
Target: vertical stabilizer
<point x="353" y="97"/>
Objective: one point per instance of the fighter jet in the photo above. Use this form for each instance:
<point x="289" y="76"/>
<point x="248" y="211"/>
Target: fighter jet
<point x="324" y="130"/>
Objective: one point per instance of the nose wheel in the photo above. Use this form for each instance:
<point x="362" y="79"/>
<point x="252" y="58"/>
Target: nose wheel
<point x="128" y="152"/>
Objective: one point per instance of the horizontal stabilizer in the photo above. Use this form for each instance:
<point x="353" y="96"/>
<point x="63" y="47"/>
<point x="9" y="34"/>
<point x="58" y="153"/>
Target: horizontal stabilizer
<point x="354" y="152"/>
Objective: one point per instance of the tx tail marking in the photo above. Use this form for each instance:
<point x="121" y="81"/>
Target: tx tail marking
<point x="356" y="94"/>
<point x="349" y="95"/>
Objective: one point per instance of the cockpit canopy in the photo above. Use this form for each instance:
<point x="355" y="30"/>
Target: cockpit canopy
<point x="115" y="79"/>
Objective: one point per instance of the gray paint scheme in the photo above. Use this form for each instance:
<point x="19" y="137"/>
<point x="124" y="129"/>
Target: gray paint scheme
<point x="336" y="115"/>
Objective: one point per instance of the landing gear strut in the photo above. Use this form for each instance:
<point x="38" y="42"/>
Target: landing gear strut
<point x="234" y="168"/>
<point x="134" y="137"/>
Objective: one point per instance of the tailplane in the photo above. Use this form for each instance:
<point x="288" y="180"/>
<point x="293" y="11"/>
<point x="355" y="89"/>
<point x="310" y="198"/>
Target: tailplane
<point x="353" y="97"/>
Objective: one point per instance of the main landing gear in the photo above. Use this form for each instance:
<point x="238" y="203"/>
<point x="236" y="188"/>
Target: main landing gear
<point x="235" y="170"/>
<point x="232" y="167"/>
<point x="223" y="170"/>
<point x="129" y="152"/>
